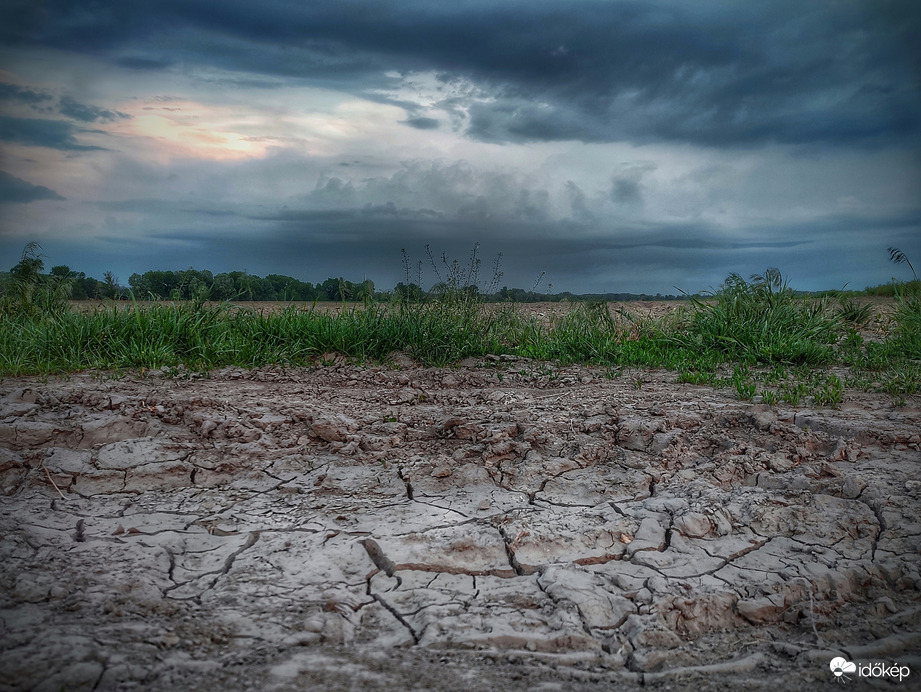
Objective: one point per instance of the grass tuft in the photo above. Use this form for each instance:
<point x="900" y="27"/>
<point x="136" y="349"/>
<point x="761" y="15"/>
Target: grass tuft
<point x="763" y="321"/>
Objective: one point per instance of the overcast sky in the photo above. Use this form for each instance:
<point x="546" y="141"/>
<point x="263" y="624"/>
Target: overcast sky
<point x="616" y="145"/>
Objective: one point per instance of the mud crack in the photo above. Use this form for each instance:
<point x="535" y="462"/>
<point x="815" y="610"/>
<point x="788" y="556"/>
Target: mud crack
<point x="510" y="552"/>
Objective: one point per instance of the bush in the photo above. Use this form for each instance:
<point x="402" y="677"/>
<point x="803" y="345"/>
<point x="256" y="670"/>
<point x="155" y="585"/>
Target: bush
<point x="762" y="320"/>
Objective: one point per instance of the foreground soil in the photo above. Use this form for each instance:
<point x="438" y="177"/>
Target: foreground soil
<point x="501" y="525"/>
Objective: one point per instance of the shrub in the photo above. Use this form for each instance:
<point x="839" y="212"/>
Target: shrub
<point x="762" y="320"/>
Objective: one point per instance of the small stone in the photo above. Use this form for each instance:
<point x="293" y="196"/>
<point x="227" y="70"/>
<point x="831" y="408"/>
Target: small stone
<point x="693" y="524"/>
<point x="329" y="430"/>
<point x="650" y="536"/>
<point x="761" y="611"/>
<point x="169" y="640"/>
<point x="779" y="463"/>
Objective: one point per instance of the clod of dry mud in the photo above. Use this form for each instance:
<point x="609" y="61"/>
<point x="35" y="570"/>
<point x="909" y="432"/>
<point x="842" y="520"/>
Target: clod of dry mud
<point x="503" y="525"/>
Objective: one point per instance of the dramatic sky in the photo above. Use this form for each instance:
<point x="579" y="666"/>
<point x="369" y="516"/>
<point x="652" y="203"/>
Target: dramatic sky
<point x="617" y="145"/>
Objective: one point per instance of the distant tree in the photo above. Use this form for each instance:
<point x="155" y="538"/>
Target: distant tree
<point x="307" y="291"/>
<point x="347" y="289"/>
<point x="157" y="284"/>
<point x="84" y="286"/>
<point x="408" y="292"/>
<point x="288" y="288"/>
<point x="281" y="285"/>
<point x="223" y="287"/>
<point x="329" y="290"/>
<point x="243" y="285"/>
<point x="135" y="283"/>
<point x="110" y="287"/>
<point x="260" y="289"/>
<point x="194" y="284"/>
<point x="364" y="290"/>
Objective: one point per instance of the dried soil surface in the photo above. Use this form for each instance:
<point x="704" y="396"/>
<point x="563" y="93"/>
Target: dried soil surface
<point x="501" y="525"/>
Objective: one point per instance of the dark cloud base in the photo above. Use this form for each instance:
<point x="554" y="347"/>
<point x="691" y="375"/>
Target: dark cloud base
<point x="14" y="190"/>
<point x="423" y="123"/>
<point x="88" y="113"/>
<point x="688" y="257"/>
<point x="41" y="132"/>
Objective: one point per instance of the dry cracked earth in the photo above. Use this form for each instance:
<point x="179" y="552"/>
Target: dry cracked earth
<point x="504" y="525"/>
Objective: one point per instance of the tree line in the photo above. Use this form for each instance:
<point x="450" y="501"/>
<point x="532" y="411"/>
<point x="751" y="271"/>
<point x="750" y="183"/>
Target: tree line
<point x="201" y="285"/>
<point x="194" y="284"/>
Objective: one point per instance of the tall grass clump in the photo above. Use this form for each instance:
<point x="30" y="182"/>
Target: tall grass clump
<point x="853" y="312"/>
<point x="201" y="336"/>
<point x="897" y="287"/>
<point x="591" y="333"/>
<point x="906" y="337"/>
<point x="30" y="293"/>
<point x="762" y="321"/>
<point x="907" y="333"/>
<point x="156" y="336"/>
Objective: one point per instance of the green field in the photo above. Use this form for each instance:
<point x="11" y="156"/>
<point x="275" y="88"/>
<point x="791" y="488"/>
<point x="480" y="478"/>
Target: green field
<point x="756" y="336"/>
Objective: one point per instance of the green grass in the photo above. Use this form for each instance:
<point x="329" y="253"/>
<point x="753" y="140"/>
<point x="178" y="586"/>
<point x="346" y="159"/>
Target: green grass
<point x="776" y="345"/>
<point x="762" y="321"/>
<point x="203" y="337"/>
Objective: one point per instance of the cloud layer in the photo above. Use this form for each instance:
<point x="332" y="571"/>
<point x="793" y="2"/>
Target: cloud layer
<point x="713" y="73"/>
<point x="623" y="145"/>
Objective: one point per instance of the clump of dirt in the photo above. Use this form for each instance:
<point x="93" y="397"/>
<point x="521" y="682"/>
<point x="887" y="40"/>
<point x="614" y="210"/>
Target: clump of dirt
<point x="506" y="522"/>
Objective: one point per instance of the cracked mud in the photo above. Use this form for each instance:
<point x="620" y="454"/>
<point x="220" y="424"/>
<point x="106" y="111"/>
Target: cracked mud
<point x="504" y="524"/>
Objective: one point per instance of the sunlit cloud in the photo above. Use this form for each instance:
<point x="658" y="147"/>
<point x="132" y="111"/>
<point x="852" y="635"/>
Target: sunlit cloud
<point x="184" y="128"/>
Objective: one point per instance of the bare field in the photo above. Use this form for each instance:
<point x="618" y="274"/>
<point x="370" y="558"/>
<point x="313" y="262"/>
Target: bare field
<point x="505" y="524"/>
<point x="882" y="306"/>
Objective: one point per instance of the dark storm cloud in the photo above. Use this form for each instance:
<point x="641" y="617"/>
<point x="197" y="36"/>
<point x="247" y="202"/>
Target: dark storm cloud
<point x="312" y="245"/>
<point x="578" y="203"/>
<point x="14" y="190"/>
<point x="519" y="120"/>
<point x="143" y="63"/>
<point x="39" y="99"/>
<point x="626" y="191"/>
<point x="164" y="206"/>
<point x="31" y="97"/>
<point x="453" y="190"/>
<point x="716" y="73"/>
<point x="56" y="134"/>
<point x="88" y="113"/>
<point x="357" y="243"/>
<point x="693" y="256"/>
<point x="423" y="123"/>
<point x="388" y="225"/>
